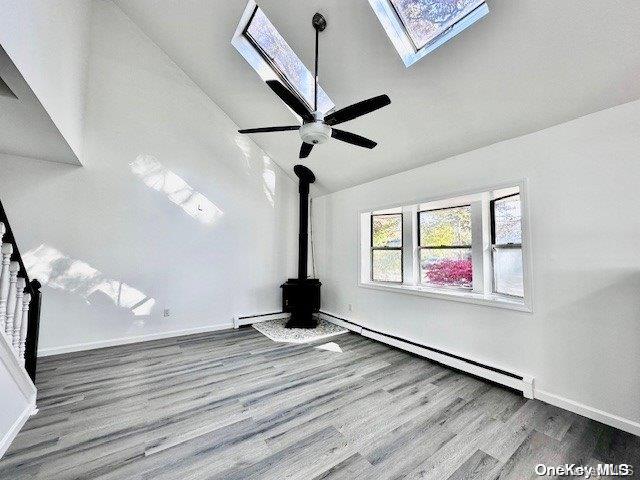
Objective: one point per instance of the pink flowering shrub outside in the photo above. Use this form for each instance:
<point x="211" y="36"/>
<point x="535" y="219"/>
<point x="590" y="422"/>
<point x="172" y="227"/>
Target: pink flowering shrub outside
<point x="450" y="272"/>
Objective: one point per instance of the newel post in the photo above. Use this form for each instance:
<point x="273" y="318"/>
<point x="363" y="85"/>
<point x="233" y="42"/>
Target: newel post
<point x="33" y="329"/>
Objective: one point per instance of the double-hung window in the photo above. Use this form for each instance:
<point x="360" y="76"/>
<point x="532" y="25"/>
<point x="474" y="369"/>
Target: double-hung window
<point x="470" y="247"/>
<point x="506" y="240"/>
<point x="386" y="247"/>
<point x="445" y="246"/>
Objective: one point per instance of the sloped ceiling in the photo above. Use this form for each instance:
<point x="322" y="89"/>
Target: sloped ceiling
<point x="26" y="129"/>
<point x="526" y="66"/>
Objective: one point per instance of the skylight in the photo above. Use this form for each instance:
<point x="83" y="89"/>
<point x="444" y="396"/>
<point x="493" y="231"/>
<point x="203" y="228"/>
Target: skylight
<point x="417" y="27"/>
<point x="260" y="43"/>
<point x="426" y="19"/>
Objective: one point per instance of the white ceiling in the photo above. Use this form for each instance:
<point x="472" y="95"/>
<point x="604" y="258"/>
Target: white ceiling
<point x="526" y="66"/>
<point x="26" y="129"/>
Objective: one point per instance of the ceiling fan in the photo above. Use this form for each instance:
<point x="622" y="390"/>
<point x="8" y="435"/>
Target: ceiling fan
<point x="316" y="127"/>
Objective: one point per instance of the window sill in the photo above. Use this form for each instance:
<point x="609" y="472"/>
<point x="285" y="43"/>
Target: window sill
<point x="489" y="300"/>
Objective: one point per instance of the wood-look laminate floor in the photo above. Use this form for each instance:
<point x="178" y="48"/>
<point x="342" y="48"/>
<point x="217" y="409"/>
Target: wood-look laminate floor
<point x="235" y="405"/>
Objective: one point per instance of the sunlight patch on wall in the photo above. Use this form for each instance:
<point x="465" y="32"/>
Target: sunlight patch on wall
<point x="56" y="270"/>
<point x="268" y="180"/>
<point x="244" y="146"/>
<point x="163" y="180"/>
<point x="251" y="152"/>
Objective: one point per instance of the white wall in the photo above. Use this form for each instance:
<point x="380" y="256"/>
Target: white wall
<point x="124" y="228"/>
<point x="581" y="341"/>
<point x="48" y="42"/>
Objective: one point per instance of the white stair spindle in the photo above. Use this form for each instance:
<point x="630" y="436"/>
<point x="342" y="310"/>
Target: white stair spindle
<point x="3" y="230"/>
<point x="17" y="316"/>
<point x="6" y="251"/>
<point x="23" y="326"/>
<point x="14" y="267"/>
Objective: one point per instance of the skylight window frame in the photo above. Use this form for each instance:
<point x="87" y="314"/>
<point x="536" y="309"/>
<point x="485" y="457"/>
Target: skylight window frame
<point x="264" y="66"/>
<point x="399" y="35"/>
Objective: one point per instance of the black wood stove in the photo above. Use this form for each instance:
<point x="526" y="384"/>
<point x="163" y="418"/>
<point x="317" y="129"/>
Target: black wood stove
<point x="301" y="296"/>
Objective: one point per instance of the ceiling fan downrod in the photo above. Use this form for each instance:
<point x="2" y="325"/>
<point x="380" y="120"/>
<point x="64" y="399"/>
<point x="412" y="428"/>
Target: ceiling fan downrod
<point x="317" y="127"/>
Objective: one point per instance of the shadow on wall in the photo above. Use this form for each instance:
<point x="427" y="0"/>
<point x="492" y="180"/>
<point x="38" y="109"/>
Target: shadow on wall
<point x="54" y="269"/>
<point x="161" y="179"/>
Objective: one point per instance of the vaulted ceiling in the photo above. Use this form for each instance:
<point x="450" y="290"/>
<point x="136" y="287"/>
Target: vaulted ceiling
<point x="526" y="66"/>
<point x="26" y="129"/>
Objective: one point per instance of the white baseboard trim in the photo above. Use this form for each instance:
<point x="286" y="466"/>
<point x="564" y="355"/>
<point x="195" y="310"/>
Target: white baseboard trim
<point x="257" y="318"/>
<point x="8" y="437"/>
<point x="526" y="385"/>
<point x="589" y="412"/>
<point x="79" y="347"/>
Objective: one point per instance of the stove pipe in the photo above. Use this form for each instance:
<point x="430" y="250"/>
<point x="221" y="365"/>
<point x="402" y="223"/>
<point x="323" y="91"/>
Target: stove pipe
<point x="306" y="177"/>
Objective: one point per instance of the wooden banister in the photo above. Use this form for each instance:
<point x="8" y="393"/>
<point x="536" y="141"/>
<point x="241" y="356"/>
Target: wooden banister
<point x="15" y="306"/>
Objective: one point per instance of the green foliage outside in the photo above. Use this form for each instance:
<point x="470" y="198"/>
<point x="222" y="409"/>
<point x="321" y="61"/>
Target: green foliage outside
<point x="387" y="231"/>
<point x="445" y="227"/>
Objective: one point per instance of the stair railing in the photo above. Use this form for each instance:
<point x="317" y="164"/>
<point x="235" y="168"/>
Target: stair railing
<point x="20" y="301"/>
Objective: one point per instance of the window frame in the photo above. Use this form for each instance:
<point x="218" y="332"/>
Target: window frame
<point x="441" y="247"/>
<point x="400" y="248"/>
<point x="442" y="33"/>
<point x="480" y="198"/>
<point x="266" y="68"/>
<point x="401" y="38"/>
<point x="281" y="75"/>
<point x="495" y="246"/>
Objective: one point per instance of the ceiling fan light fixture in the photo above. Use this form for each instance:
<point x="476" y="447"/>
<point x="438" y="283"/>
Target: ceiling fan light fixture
<point x="317" y="128"/>
<point x="315" y="133"/>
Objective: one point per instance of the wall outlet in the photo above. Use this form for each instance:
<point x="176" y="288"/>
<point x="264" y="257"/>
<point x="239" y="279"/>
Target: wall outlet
<point x="166" y="312"/>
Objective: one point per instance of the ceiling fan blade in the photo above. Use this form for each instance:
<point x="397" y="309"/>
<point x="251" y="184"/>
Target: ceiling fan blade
<point x="357" y="110"/>
<point x="352" y="138"/>
<point x="269" y="129"/>
<point x="290" y="99"/>
<point x="305" y="149"/>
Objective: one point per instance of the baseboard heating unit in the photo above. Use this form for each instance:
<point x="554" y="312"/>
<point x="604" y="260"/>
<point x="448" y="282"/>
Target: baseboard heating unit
<point x="516" y="381"/>
<point x="259" y="317"/>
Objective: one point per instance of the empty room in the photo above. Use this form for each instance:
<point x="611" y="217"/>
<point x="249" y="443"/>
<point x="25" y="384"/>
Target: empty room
<point x="320" y="239"/>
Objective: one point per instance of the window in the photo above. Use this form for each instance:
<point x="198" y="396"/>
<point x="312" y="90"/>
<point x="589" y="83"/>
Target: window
<point x="424" y="20"/>
<point x="386" y="247"/>
<point x="445" y="246"/>
<point x="260" y="43"/>
<point x="417" y="27"/>
<point x="471" y="248"/>
<point x="506" y="240"/>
